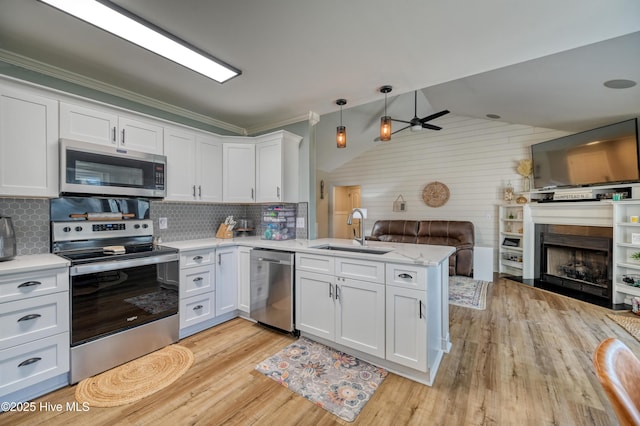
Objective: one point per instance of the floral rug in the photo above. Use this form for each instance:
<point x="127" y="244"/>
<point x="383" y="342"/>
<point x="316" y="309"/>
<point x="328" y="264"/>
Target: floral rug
<point x="467" y="292"/>
<point x="333" y="380"/>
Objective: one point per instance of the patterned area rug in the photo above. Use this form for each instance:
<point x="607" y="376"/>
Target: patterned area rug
<point x="467" y="292"/>
<point x="629" y="323"/>
<point x="333" y="380"/>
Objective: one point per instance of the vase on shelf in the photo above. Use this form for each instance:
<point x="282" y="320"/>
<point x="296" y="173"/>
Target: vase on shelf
<point x="526" y="184"/>
<point x="508" y="193"/>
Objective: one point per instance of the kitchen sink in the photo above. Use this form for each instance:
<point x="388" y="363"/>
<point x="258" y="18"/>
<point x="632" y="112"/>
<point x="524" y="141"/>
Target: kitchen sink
<point x="367" y="250"/>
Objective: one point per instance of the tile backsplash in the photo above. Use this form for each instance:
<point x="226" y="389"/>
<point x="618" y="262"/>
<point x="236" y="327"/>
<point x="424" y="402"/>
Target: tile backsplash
<point x="186" y="221"/>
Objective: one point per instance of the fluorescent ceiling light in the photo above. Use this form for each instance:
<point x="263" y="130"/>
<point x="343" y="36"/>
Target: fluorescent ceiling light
<point x="132" y="30"/>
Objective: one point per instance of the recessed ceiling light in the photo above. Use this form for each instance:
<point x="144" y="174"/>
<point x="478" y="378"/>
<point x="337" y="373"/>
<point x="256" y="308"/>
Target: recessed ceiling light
<point x="119" y="22"/>
<point x="493" y="116"/>
<point x="619" y="84"/>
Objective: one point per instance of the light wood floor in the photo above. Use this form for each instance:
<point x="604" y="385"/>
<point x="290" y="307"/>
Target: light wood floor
<point x="525" y="360"/>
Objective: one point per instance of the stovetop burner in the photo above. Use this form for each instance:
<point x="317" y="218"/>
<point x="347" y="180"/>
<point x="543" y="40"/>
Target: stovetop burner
<point x="131" y="252"/>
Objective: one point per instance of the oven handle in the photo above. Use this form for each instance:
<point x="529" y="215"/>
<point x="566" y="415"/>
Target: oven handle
<point x="113" y="265"/>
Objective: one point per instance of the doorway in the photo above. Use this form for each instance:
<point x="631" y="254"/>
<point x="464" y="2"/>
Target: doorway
<point x="345" y="199"/>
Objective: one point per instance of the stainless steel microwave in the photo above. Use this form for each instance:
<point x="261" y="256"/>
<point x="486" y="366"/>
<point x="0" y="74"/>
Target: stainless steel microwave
<point x="87" y="168"/>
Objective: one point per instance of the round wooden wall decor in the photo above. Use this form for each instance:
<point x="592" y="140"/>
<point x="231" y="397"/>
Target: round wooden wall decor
<point x="435" y="194"/>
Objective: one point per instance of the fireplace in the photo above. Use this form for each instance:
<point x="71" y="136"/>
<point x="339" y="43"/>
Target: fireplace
<point x="575" y="261"/>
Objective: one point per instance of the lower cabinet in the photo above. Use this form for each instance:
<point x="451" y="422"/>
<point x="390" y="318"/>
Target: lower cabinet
<point x="244" y="279"/>
<point x="197" y="287"/>
<point x="406" y="327"/>
<point x="226" y="280"/>
<point x="344" y="310"/>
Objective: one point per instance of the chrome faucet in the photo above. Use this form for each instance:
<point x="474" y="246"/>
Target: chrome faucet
<point x="350" y="222"/>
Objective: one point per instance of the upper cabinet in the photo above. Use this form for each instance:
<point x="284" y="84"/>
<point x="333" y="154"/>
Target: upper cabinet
<point x="106" y="127"/>
<point x="263" y="169"/>
<point x="194" y="166"/>
<point x="277" y="167"/>
<point x="28" y="143"/>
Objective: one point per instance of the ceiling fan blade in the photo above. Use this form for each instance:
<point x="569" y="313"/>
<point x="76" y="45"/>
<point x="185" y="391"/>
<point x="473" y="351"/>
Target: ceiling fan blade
<point x="401" y="121"/>
<point x="434" y="116"/>
<point x="430" y="126"/>
<point x="399" y="130"/>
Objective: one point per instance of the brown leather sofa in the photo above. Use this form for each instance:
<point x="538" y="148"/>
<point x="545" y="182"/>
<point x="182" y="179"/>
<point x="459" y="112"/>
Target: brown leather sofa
<point x="459" y="234"/>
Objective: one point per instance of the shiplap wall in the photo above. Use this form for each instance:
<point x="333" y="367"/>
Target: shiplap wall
<point x="475" y="158"/>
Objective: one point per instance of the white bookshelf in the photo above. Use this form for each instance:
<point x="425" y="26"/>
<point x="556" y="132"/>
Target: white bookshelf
<point x="511" y="239"/>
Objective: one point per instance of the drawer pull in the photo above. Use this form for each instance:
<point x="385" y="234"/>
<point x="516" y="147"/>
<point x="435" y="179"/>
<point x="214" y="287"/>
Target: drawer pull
<point x="198" y="258"/>
<point x="195" y="308"/>
<point x="405" y="276"/>
<point x="29" y="361"/>
<point x="29" y="284"/>
<point x="197" y="279"/>
<point x="420" y="308"/>
<point x="29" y="317"/>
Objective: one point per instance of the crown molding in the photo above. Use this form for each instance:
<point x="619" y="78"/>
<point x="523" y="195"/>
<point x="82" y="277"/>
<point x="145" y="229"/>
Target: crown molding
<point x="279" y="124"/>
<point x="71" y="77"/>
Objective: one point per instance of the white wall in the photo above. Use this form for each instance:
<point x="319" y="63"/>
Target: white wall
<point x="475" y="158"/>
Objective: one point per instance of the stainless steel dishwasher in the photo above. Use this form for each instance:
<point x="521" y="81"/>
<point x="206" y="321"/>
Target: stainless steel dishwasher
<point x="272" y="288"/>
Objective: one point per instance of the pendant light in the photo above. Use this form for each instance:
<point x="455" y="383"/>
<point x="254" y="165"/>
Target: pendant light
<point x="341" y="131"/>
<point x="385" y="122"/>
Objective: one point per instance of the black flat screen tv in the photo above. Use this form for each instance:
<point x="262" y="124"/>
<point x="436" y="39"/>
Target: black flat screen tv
<point x="603" y="156"/>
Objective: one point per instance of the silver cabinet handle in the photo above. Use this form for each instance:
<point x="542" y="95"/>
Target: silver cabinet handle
<point x="122" y="136"/>
<point x="405" y="276"/>
<point x="420" y="309"/>
<point x="29" y="361"/>
<point x="198" y="258"/>
<point x="29" y="317"/>
<point x="113" y="137"/>
<point x="29" y="284"/>
<point x="337" y="292"/>
<point x="200" y="191"/>
<point x="194" y="191"/>
<point x="278" y="192"/>
<point x="197" y="279"/>
<point x="330" y="291"/>
<point x="252" y="193"/>
<point x="195" y="308"/>
<point x="219" y="259"/>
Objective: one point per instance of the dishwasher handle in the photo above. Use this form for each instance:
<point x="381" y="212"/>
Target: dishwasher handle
<point x="280" y="262"/>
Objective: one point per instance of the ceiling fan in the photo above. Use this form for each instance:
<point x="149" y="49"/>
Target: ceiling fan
<point x="420" y="123"/>
<point x="415" y="123"/>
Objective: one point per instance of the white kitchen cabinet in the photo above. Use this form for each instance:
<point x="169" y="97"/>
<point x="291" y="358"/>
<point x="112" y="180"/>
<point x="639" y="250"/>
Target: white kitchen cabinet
<point x="626" y="242"/>
<point x="104" y="126"/>
<point x="28" y="143"/>
<point x="34" y="337"/>
<point x="238" y="172"/>
<point x="277" y="167"/>
<point x="197" y="288"/>
<point x="194" y="166"/>
<point x="511" y="238"/>
<point x="406" y="327"/>
<point x="226" y="280"/>
<point x="341" y="309"/>
<point x="244" y="279"/>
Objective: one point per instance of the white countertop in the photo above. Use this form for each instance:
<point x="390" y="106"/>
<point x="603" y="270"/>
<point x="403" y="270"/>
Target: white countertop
<point x="415" y="254"/>
<point x="32" y="262"/>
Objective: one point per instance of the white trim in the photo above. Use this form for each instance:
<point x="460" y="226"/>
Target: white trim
<point x="62" y="74"/>
<point x="278" y="125"/>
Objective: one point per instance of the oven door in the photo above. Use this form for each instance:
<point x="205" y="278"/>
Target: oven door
<point x="112" y="296"/>
<point x="95" y="169"/>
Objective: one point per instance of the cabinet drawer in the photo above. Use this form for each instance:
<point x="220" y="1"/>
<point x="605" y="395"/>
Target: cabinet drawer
<point x="39" y="283"/>
<point x="198" y="280"/>
<point x="314" y="263"/>
<point x="364" y="270"/>
<point x="406" y="276"/>
<point x="33" y="318"/>
<point x="197" y="309"/>
<point x="197" y="257"/>
<point x="33" y="362"/>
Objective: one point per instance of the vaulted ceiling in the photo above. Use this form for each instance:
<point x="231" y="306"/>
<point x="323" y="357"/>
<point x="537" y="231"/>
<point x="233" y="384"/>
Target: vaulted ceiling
<point x="540" y="63"/>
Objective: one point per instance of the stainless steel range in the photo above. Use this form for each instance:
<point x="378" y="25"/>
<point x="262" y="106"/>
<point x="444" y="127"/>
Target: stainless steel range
<point x="124" y="288"/>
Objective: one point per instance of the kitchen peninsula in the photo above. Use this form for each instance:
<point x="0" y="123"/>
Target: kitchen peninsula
<point x="386" y="303"/>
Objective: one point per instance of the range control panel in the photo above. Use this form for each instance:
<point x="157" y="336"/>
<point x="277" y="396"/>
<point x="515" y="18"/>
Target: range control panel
<point x="91" y="229"/>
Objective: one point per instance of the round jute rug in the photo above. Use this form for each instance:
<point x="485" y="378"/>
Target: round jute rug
<point x="136" y="379"/>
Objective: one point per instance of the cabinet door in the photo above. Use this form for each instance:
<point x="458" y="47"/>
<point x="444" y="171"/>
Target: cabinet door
<point x="315" y="307"/>
<point x="209" y="168"/>
<point x="238" y="172"/>
<point x="28" y="144"/>
<point x="180" y="149"/>
<point x="406" y="327"/>
<point x="87" y="124"/>
<point x="139" y="135"/>
<point x="226" y="281"/>
<point x="360" y="315"/>
<point x="244" y="278"/>
<point x="269" y="171"/>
